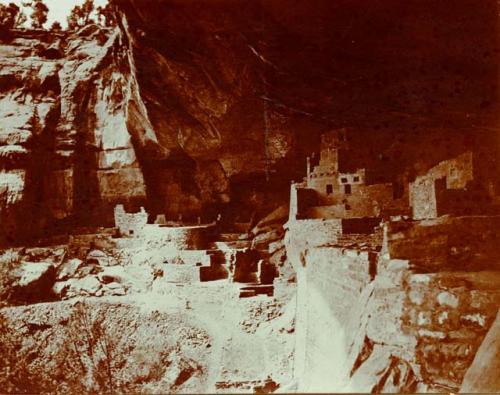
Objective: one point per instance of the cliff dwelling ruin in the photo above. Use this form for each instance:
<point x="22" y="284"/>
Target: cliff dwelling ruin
<point x="249" y="197"/>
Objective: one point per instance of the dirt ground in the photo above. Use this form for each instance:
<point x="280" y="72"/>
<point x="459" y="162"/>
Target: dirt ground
<point x="187" y="338"/>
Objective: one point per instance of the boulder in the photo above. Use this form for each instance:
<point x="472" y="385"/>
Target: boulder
<point x="112" y="274"/>
<point x="97" y="257"/>
<point x="100" y="258"/>
<point x="114" y="289"/>
<point x="32" y="272"/>
<point x="34" y="281"/>
<point x="96" y="254"/>
<point x="383" y="372"/>
<point x="69" y="269"/>
<point x="87" y="270"/>
<point x="61" y="288"/>
<point x="87" y="286"/>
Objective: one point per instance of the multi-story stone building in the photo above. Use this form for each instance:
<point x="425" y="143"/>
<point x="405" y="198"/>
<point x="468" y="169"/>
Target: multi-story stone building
<point x="455" y="187"/>
<point x="326" y="192"/>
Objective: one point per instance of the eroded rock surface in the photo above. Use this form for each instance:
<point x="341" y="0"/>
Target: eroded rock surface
<point x="482" y="375"/>
<point x="175" y="110"/>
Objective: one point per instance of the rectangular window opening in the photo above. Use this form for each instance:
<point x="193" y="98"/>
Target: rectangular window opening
<point x="329" y="189"/>
<point x="347" y="189"/>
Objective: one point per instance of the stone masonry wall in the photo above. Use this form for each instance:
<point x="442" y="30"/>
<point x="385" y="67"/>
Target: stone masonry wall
<point x="178" y="238"/>
<point x="449" y="315"/>
<point x="130" y="224"/>
<point x="403" y="331"/>
<point x="482" y="376"/>
<point x="363" y="201"/>
<point x="303" y="234"/>
<point x="457" y="172"/>
<point x="329" y="288"/>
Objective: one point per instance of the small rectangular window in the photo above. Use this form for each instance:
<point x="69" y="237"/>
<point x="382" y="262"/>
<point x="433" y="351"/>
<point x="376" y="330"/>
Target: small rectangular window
<point x="343" y="180"/>
<point x="356" y="178"/>
<point x="347" y="189"/>
<point x="329" y="189"/>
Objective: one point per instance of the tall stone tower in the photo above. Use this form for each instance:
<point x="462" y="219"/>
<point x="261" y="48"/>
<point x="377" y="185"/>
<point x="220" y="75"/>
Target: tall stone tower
<point x="331" y="143"/>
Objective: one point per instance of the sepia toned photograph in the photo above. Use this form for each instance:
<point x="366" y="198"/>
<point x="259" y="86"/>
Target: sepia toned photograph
<point x="249" y="196"/>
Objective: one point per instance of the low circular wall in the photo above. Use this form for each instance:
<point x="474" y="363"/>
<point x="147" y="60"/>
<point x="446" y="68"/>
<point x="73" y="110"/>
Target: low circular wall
<point x="179" y="237"/>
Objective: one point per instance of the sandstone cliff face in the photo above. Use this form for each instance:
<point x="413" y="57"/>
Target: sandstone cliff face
<point x="191" y="109"/>
<point x="84" y="128"/>
<point x="252" y="85"/>
<point x="66" y="134"/>
<point x="76" y="138"/>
